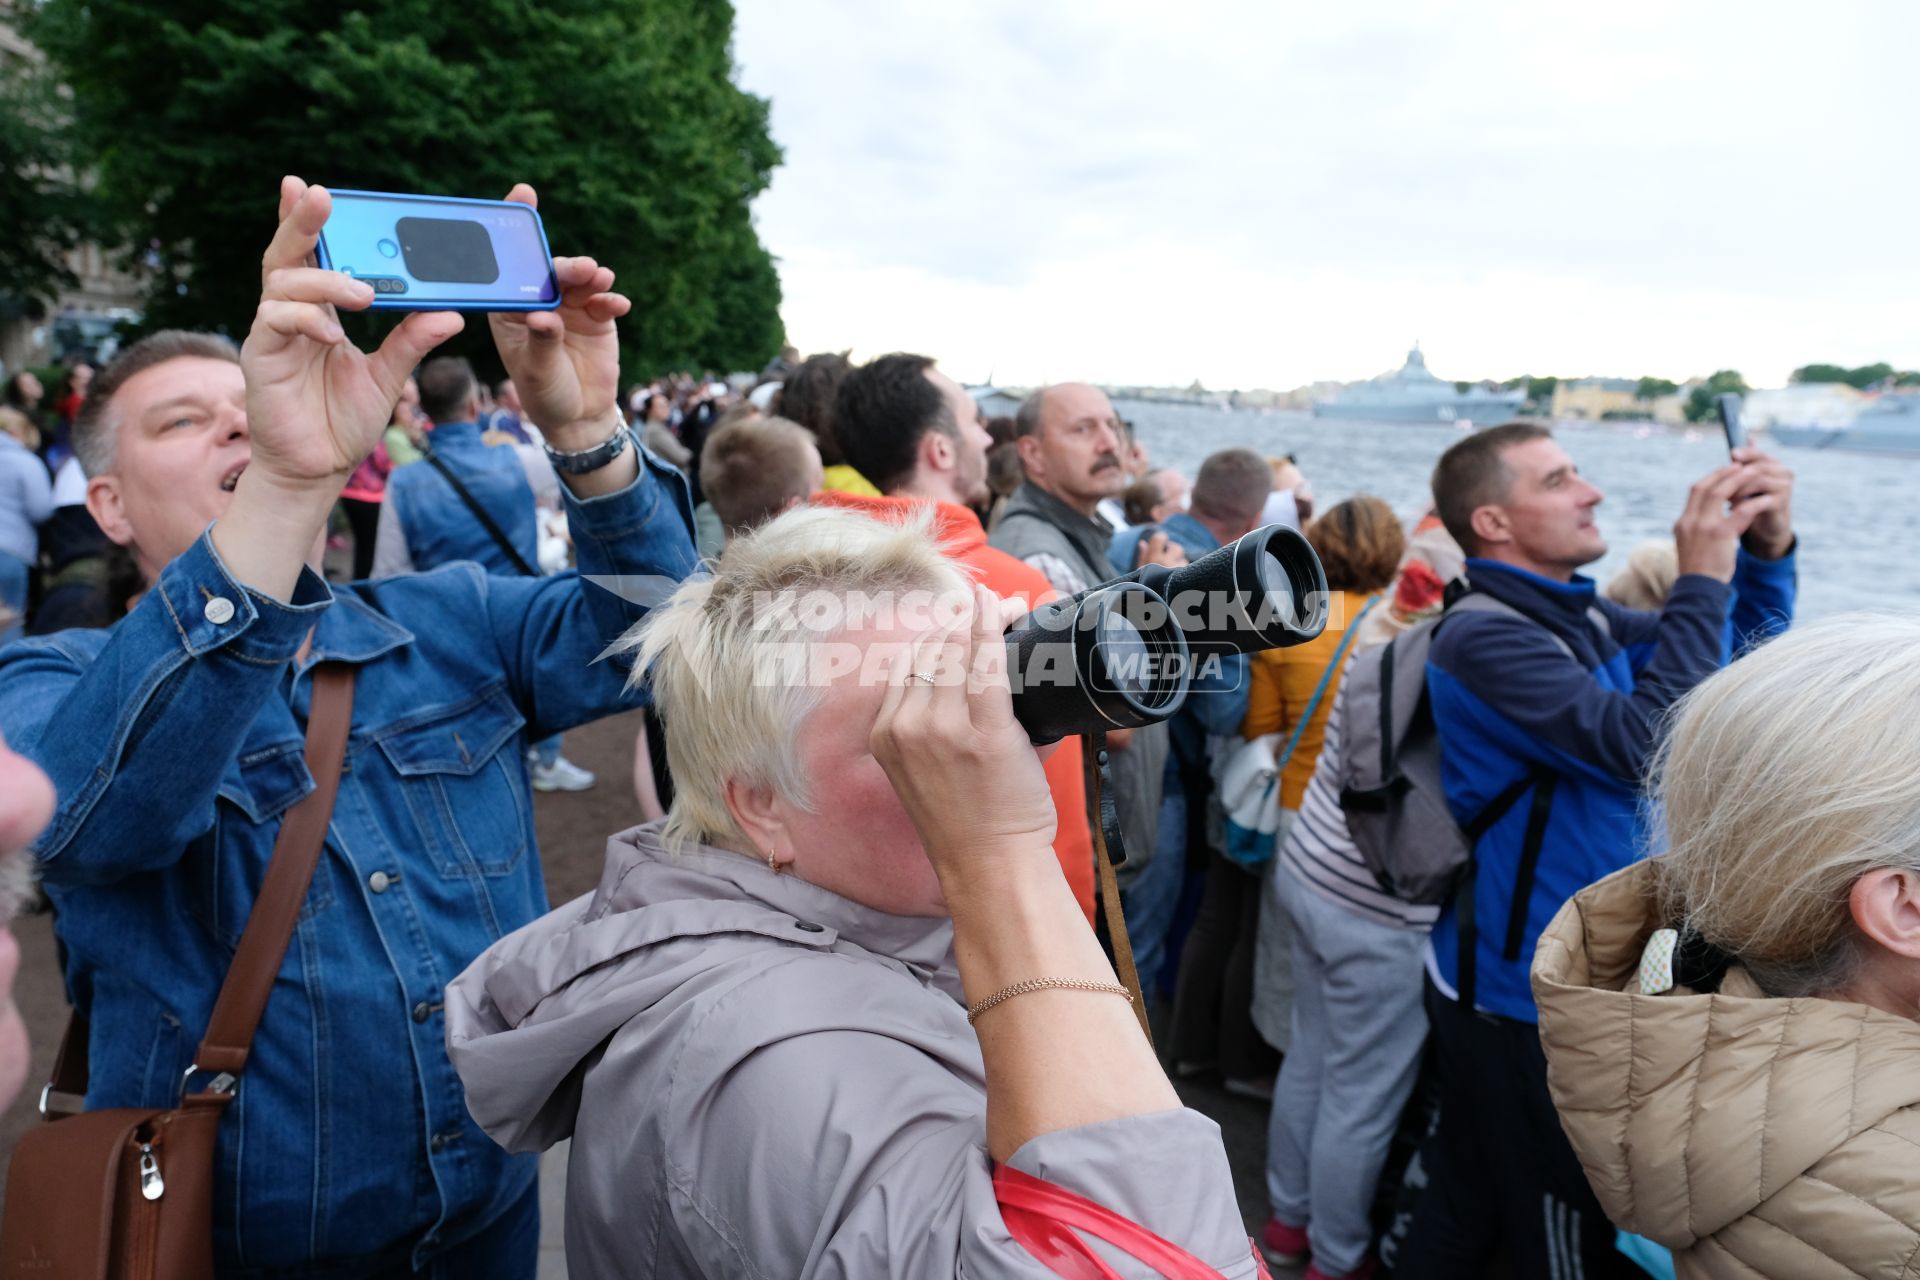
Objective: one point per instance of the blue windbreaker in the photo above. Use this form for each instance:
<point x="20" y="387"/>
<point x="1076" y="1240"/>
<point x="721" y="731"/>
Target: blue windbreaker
<point x="1508" y="700"/>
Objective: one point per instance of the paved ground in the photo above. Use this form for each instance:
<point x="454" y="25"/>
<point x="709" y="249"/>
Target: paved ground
<point x="573" y="831"/>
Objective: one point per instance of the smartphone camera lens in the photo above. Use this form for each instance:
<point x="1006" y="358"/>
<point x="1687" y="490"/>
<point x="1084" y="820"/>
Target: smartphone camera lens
<point x="388" y="249"/>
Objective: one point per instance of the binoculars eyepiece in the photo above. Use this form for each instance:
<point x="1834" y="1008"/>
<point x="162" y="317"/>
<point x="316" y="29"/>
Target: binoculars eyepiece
<point x="1121" y="655"/>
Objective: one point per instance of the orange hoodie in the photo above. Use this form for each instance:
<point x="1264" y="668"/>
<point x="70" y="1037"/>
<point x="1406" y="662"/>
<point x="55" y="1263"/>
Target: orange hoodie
<point x="964" y="540"/>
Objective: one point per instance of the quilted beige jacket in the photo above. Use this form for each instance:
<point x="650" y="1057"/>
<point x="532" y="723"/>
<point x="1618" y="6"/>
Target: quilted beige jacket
<point x="1752" y="1136"/>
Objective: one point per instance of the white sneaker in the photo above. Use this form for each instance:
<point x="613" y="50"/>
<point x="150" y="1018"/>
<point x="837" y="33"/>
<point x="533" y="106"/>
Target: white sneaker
<point x="562" y="775"/>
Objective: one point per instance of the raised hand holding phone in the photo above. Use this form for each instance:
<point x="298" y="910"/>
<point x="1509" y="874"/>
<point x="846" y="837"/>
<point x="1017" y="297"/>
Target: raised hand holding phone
<point x="1730" y="421"/>
<point x="565" y="363"/>
<point x="316" y="404"/>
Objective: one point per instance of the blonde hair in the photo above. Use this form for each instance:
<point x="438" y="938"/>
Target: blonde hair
<point x="706" y="652"/>
<point x="1785" y="778"/>
<point x="18" y="425"/>
<point x="1648" y="579"/>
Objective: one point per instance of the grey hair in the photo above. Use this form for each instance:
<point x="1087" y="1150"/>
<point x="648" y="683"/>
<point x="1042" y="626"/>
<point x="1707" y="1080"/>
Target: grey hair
<point x="1784" y="779"/>
<point x="1026" y="419"/>
<point x="96" y="428"/>
<point x="709" y="652"/>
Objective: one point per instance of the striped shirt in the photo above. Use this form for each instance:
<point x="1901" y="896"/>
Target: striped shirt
<point x="1320" y="851"/>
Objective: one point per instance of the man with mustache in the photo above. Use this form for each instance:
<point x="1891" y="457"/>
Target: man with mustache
<point x="1071" y="446"/>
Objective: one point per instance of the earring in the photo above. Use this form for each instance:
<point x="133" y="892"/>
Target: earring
<point x="771" y="864"/>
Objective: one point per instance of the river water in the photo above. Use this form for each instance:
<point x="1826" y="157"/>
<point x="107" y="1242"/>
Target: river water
<point x="1858" y="517"/>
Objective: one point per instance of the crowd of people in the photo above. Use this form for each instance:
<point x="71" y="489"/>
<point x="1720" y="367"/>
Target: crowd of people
<point x="844" y="1001"/>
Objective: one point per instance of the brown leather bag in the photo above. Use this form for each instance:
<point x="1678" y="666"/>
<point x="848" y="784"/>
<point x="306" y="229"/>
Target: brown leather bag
<point x="127" y="1194"/>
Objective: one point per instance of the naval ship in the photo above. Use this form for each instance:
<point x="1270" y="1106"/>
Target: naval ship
<point x="1889" y="426"/>
<point x="1412" y="394"/>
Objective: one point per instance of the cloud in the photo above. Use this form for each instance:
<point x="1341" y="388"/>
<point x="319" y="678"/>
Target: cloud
<point x="1264" y="194"/>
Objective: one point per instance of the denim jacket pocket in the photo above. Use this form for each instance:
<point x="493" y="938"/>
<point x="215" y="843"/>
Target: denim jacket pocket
<point x="464" y="783"/>
<point x="265" y="783"/>
<point x="226" y="869"/>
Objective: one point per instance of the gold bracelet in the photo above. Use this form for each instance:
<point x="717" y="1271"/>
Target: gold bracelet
<point x="1041" y="984"/>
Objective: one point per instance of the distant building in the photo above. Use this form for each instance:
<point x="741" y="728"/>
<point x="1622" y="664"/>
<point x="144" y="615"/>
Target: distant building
<point x="1595" y="398"/>
<point x="1804" y="404"/>
<point x="81" y="320"/>
<point x="1670" y="410"/>
<point x="1258" y="398"/>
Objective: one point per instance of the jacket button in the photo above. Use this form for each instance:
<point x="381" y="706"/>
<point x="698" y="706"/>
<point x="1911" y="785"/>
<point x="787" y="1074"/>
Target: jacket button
<point x="219" y="610"/>
<point x="808" y="926"/>
<point x="379" y="881"/>
<point x="422" y="1011"/>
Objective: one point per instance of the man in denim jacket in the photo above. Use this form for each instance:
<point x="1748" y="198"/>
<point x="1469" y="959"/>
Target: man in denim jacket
<point x="174" y="741"/>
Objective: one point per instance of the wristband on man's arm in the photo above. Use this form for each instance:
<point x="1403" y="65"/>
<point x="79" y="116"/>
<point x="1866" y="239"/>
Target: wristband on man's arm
<point x="585" y="460"/>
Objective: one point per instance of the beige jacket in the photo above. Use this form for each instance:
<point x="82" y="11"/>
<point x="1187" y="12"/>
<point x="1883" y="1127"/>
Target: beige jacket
<point x="1755" y="1137"/>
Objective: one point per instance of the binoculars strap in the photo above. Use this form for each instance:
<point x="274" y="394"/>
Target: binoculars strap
<point x="1107" y="827"/>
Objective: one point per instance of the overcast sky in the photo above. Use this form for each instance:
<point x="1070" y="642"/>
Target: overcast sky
<point x="1264" y="194"/>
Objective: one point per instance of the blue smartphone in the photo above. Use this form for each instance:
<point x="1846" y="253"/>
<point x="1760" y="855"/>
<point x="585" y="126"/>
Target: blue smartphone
<point x="440" y="253"/>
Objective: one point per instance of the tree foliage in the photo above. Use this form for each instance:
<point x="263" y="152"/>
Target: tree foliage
<point x="44" y="210"/>
<point x="622" y="113"/>
<point x="1701" y="401"/>
<point x="1654" y="388"/>
<point x="1863" y="377"/>
<point x="1539" y="390"/>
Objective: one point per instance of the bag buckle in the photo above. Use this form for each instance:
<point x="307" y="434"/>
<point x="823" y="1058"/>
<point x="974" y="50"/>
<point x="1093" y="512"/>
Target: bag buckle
<point x="222" y="1083"/>
<point x="54" y="1102"/>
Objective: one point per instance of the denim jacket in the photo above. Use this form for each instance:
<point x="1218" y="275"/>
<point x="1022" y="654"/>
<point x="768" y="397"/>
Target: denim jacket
<point x="436" y="525"/>
<point x="175" y="743"/>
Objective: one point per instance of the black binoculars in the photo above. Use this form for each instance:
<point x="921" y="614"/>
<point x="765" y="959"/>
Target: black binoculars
<point x="1120" y="655"/>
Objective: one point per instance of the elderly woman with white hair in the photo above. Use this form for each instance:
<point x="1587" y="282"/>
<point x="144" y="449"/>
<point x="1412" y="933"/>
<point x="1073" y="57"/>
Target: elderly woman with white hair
<point x="1732" y="1029"/>
<point x="757" y="1029"/>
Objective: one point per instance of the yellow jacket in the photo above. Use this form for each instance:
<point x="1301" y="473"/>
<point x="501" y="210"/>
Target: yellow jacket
<point x="1283" y="680"/>
<point x="844" y="479"/>
<point x="1753" y="1136"/>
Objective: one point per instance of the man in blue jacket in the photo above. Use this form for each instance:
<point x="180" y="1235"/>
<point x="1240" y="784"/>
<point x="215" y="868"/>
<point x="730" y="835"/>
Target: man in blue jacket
<point x="1555" y="703"/>
<point x="426" y="521"/>
<point x="174" y="741"/>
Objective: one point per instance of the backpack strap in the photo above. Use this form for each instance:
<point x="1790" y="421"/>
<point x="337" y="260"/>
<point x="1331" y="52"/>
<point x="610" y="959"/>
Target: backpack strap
<point x="1481" y="602"/>
<point x="1536" y="836"/>
<point x="1466" y="931"/>
<point x="1543" y="783"/>
<point x="1319" y="690"/>
<point x="1386" y="711"/>
<point x="500" y="539"/>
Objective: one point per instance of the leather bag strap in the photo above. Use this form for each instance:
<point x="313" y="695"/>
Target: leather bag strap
<point x="303" y="832"/>
<point x="1096" y="748"/>
<point x="66" y="1090"/>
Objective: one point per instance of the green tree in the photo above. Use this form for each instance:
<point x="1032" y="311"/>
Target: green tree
<point x="1701" y="401"/>
<point x="623" y="113"/>
<point x="1818" y="373"/>
<point x="44" y="210"/>
<point x="1864" y="376"/>
<point x="1907" y="378"/>
<point x="1541" y="389"/>
<point x="1654" y="388"/>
